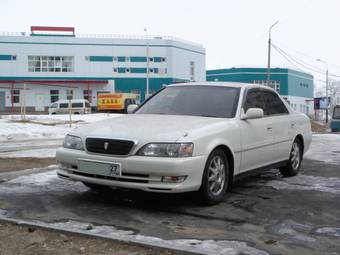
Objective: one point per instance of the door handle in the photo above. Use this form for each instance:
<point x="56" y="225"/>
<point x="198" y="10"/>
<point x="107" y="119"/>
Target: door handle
<point x="269" y="128"/>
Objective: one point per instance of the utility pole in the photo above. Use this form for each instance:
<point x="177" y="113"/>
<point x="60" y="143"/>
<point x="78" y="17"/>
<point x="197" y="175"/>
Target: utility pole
<point x="328" y="103"/>
<point x="269" y="48"/>
<point x="147" y="64"/>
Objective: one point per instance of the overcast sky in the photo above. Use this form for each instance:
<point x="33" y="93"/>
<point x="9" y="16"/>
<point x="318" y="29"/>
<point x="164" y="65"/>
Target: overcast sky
<point x="234" y="33"/>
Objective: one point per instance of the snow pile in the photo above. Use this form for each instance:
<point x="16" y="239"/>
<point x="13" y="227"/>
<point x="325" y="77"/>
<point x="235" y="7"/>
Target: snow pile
<point x="10" y="130"/>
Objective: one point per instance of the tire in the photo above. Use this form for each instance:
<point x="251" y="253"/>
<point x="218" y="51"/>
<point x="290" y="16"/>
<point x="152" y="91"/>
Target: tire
<point x="216" y="171"/>
<point x="96" y="187"/>
<point x="295" y="159"/>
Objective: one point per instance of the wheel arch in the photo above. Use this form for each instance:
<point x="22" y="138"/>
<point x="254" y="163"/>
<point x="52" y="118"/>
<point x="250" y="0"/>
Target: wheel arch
<point x="300" y="138"/>
<point x="231" y="161"/>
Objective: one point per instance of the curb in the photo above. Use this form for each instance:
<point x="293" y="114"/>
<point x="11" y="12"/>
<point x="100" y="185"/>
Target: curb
<point x="82" y="234"/>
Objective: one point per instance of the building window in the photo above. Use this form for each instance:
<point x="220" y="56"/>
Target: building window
<point x="14" y="57"/>
<point x="150" y="59"/>
<point x="87" y="95"/>
<point x="192" y="70"/>
<point x="163" y="59"/>
<point x="15" y="93"/>
<point x="69" y="94"/>
<point x="127" y="70"/>
<point x="54" y="95"/>
<point x="272" y="84"/>
<point x="115" y="70"/>
<point x="50" y="64"/>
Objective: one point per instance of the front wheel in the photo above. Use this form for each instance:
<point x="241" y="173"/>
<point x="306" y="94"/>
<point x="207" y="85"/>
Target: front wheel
<point x="215" y="178"/>
<point x="295" y="159"/>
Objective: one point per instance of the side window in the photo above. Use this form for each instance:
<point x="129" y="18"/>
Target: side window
<point x="273" y="104"/>
<point x="77" y="105"/>
<point x="253" y="100"/>
<point x="63" y="105"/>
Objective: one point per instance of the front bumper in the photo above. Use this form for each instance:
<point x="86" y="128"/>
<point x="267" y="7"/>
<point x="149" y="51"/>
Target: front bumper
<point x="138" y="172"/>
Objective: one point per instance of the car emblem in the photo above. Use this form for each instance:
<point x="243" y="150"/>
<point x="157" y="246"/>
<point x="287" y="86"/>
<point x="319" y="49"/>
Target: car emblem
<point x="106" y="145"/>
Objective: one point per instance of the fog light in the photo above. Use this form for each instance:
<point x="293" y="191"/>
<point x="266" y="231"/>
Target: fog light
<point x="174" y="179"/>
<point x="65" y="166"/>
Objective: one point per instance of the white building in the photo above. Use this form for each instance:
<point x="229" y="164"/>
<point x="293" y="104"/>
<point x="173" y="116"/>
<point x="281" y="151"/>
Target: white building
<point x="61" y="63"/>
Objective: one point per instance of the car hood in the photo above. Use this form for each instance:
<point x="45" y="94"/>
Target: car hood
<point x="147" y="127"/>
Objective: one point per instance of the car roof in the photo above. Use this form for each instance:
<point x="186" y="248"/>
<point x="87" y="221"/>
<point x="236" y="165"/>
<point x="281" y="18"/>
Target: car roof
<point x="213" y="83"/>
<point x="223" y="84"/>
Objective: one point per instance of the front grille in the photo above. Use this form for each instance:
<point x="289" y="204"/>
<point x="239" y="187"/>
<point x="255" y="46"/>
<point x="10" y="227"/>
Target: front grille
<point x="109" y="146"/>
<point x="103" y="177"/>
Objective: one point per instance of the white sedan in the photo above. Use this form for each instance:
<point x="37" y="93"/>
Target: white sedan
<point x="189" y="137"/>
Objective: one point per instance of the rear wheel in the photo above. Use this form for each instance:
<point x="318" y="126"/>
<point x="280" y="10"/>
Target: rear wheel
<point x="295" y="159"/>
<point x="215" y="178"/>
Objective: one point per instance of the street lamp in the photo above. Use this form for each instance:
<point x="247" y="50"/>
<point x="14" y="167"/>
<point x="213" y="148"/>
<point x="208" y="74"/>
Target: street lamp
<point x="269" y="48"/>
<point x="147" y="64"/>
<point x="322" y="61"/>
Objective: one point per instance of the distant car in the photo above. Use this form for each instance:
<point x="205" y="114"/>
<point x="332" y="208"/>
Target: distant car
<point x="78" y="106"/>
<point x="335" y="121"/>
<point x="189" y="137"/>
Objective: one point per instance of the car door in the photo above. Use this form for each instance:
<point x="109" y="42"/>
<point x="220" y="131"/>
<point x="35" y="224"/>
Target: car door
<point x="256" y="134"/>
<point x="282" y="123"/>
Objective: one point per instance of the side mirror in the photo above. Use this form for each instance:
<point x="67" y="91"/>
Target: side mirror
<point x="131" y="108"/>
<point x="252" y="113"/>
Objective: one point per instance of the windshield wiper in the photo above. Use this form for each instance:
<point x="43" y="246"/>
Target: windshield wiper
<point x="207" y="115"/>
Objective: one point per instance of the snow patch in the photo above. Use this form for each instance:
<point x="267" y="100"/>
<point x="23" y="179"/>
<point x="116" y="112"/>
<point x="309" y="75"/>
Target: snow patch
<point x="40" y="183"/>
<point x="325" y="148"/>
<point x="328" y="231"/>
<point x="293" y="230"/>
<point x="307" y="182"/>
<point x="34" y="153"/>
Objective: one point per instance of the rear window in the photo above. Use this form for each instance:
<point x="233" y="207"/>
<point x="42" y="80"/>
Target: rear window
<point x="63" y="105"/>
<point x="77" y="105"/>
<point x="336" y="113"/>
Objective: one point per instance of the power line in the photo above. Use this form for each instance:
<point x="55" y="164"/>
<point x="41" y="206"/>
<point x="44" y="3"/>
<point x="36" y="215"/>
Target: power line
<point x="299" y="62"/>
<point x="304" y="64"/>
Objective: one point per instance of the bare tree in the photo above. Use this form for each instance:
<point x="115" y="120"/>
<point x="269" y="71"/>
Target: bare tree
<point x="334" y="93"/>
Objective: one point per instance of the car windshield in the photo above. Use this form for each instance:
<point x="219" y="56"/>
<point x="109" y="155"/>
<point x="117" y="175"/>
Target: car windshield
<point x="208" y="101"/>
<point x="336" y="113"/>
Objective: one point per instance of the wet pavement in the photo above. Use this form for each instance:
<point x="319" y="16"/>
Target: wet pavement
<point x="265" y="214"/>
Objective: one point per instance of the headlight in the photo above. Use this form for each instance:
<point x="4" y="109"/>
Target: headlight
<point x="73" y="142"/>
<point x="167" y="150"/>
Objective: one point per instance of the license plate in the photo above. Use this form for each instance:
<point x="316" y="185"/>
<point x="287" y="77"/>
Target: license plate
<point x="100" y="168"/>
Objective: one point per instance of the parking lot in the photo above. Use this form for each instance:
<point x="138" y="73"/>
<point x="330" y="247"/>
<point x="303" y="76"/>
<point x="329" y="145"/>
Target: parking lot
<point x="266" y="214"/>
